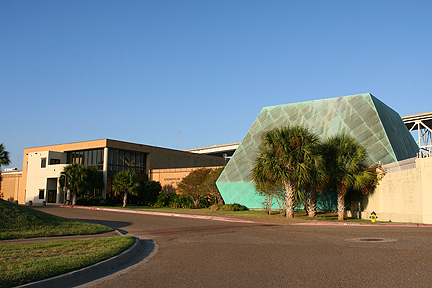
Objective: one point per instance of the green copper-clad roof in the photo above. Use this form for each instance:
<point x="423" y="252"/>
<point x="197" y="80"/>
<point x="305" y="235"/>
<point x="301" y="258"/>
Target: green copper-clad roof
<point x="375" y="125"/>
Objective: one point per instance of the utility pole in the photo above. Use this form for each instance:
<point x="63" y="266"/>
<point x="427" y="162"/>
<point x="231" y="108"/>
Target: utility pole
<point x="177" y="140"/>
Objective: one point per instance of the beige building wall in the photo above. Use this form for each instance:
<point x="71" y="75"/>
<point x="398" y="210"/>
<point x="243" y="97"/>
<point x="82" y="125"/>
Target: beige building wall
<point x="158" y="158"/>
<point x="43" y="178"/>
<point x="58" y="148"/>
<point x="404" y="194"/>
<point x="10" y="185"/>
<point x="170" y="178"/>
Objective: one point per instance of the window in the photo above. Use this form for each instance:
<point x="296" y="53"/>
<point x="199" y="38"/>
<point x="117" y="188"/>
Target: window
<point x="54" y="161"/>
<point x="42" y="192"/>
<point x="92" y="157"/>
<point x="124" y="160"/>
<point x="43" y="162"/>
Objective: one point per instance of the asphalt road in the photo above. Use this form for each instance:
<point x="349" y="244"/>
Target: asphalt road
<point x="205" y="253"/>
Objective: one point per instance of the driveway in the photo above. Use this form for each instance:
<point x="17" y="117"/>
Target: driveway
<point x="206" y="253"/>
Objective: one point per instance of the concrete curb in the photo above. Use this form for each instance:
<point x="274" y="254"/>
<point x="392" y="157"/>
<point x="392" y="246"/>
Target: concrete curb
<point x="218" y="218"/>
<point x="78" y="277"/>
<point x="206" y="217"/>
<point x="362" y="224"/>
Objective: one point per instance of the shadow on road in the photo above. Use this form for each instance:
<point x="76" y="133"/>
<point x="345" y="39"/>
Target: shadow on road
<point x="116" y="225"/>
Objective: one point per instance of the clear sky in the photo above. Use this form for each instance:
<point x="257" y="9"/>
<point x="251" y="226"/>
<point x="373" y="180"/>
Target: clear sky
<point x="143" y="71"/>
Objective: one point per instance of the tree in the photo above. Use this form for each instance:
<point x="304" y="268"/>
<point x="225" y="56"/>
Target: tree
<point x="210" y="186"/>
<point x="287" y="157"/>
<point x="4" y="158"/>
<point x="93" y="181"/>
<point x="345" y="162"/>
<point x="149" y="192"/>
<point x="124" y="183"/>
<point x="269" y="190"/>
<point x="191" y="185"/>
<point x="74" y="175"/>
<point x="317" y="182"/>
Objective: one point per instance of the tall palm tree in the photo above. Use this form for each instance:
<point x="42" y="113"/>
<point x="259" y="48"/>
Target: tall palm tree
<point x="287" y="157"/>
<point x="75" y="174"/>
<point x="124" y="183"/>
<point x="4" y="156"/>
<point x="345" y="161"/>
<point x="4" y="159"/>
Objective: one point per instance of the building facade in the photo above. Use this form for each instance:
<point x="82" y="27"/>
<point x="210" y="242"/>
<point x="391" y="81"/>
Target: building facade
<point x="42" y="166"/>
<point x="375" y="125"/>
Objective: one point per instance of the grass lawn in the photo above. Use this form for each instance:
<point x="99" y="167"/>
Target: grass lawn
<point x="24" y="263"/>
<point x="299" y="214"/>
<point x="17" y="222"/>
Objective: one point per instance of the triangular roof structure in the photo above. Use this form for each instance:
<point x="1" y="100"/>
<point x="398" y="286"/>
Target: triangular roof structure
<point x="375" y="125"/>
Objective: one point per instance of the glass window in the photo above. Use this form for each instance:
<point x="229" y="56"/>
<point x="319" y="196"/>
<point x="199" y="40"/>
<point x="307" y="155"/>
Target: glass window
<point x="132" y="159"/>
<point x="127" y="158"/>
<point x="43" y="162"/>
<point x="54" y="161"/>
<point x="41" y="193"/>
<point x="121" y="161"/>
<point x="93" y="157"/>
<point x="86" y="158"/>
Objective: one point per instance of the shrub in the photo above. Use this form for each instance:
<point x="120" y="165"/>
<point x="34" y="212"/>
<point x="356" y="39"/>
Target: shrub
<point x="173" y="200"/>
<point x="228" y="207"/>
<point x="86" y="201"/>
<point x="149" y="192"/>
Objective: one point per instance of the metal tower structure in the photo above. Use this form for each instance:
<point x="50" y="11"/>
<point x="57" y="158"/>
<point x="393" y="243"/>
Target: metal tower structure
<point x="422" y="123"/>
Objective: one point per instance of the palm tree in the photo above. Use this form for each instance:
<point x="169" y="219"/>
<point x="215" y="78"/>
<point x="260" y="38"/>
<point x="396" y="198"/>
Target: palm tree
<point x="318" y="181"/>
<point x="75" y="179"/>
<point x="4" y="156"/>
<point x="287" y="157"/>
<point x="124" y="183"/>
<point x="4" y="159"/>
<point x="345" y="162"/>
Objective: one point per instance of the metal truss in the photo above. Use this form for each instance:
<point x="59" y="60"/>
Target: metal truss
<point x="421" y="123"/>
<point x="424" y="139"/>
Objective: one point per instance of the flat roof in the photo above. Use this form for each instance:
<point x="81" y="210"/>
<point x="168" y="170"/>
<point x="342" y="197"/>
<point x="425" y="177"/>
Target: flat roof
<point x="215" y="148"/>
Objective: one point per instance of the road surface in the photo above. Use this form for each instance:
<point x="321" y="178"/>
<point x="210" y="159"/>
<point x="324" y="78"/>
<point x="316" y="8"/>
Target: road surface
<point x="206" y="253"/>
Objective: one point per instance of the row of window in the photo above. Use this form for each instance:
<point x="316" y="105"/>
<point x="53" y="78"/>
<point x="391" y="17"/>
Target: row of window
<point x="118" y="160"/>
<point x="124" y="160"/>
<point x="92" y="157"/>
<point x="51" y="162"/>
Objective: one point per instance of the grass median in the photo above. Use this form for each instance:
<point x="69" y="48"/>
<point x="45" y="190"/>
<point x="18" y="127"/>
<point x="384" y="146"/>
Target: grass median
<point x="255" y="213"/>
<point x="24" y="263"/>
<point x="18" y="222"/>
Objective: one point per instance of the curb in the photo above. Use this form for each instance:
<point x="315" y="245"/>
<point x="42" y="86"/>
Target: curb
<point x="216" y="218"/>
<point x="361" y="224"/>
<point x="226" y="219"/>
<point x="78" y="277"/>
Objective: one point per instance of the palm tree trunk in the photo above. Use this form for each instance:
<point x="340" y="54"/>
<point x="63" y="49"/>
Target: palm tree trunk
<point x="269" y="204"/>
<point x="289" y="199"/>
<point x="312" y="203"/>
<point x="124" y="199"/>
<point x="74" y="196"/>
<point x="341" y="206"/>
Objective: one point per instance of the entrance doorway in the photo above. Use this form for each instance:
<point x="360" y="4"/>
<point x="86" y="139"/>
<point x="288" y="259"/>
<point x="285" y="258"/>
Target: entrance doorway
<point x="52" y="196"/>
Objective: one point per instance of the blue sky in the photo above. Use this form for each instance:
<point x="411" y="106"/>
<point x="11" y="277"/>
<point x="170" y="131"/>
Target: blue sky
<point x="141" y="71"/>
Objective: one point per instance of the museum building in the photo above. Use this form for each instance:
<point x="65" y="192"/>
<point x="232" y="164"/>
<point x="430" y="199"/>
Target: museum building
<point x="42" y="166"/>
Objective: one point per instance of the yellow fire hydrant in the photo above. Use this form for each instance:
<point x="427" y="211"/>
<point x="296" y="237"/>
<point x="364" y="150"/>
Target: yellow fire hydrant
<point x="373" y="216"/>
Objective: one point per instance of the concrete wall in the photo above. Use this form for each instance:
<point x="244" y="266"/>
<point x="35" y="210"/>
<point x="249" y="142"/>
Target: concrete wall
<point x="37" y="177"/>
<point x="404" y="194"/>
<point x="10" y="185"/>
